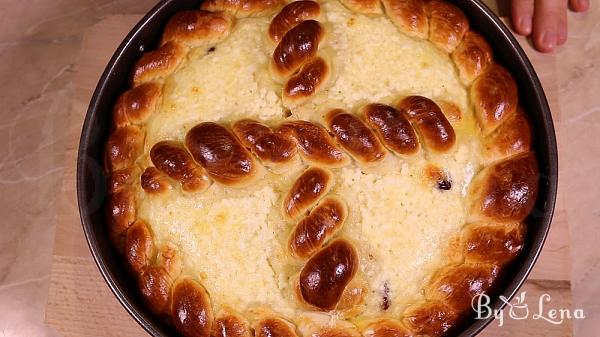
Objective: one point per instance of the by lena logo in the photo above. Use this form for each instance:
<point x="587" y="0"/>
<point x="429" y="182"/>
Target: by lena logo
<point x="520" y="310"/>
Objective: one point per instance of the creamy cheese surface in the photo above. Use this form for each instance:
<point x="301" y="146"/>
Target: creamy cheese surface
<point x="226" y="83"/>
<point x="374" y="62"/>
<point x="235" y="239"/>
<point x="229" y="241"/>
<point x="402" y="223"/>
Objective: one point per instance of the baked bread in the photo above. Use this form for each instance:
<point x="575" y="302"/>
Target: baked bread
<point x="318" y="168"/>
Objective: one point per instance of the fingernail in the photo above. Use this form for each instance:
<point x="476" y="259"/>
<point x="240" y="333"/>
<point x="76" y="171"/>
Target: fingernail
<point x="548" y="39"/>
<point x="525" y="24"/>
<point x="582" y="4"/>
<point x="562" y="35"/>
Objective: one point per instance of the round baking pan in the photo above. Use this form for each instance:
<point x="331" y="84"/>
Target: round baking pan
<point x="91" y="181"/>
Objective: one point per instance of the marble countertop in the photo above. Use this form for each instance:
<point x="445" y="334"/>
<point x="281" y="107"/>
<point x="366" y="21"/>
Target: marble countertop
<point x="40" y="42"/>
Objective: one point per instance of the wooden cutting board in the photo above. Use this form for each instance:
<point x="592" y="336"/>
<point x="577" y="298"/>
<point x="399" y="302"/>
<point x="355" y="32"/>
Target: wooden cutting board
<point x="81" y="304"/>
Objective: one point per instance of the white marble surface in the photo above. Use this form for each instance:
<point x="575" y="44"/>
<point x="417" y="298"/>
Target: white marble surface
<point x="39" y="45"/>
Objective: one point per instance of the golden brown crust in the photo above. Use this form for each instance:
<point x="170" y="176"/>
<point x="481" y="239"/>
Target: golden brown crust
<point x="314" y="142"/>
<point x="158" y="64"/>
<point x="153" y="181"/>
<point x="197" y="28"/>
<point x="314" y="230"/>
<point x="472" y="56"/>
<point x="310" y="79"/>
<point x="139" y="247"/>
<point x="354" y="136"/>
<point x="291" y="15"/>
<point x="451" y="111"/>
<point x="430" y="318"/>
<point x="120" y="214"/>
<point x="271" y="148"/>
<point x="155" y="286"/>
<point x="363" y="6"/>
<point x="136" y="105"/>
<point x="274" y="327"/>
<point x="408" y="15"/>
<point x="392" y="127"/>
<point x="352" y="299"/>
<point x="230" y="324"/>
<point x="123" y="147"/>
<point x="191" y="309"/>
<point x="325" y="276"/>
<point x="297" y="46"/>
<point x="174" y="160"/>
<point x="510" y="138"/>
<point x="336" y="332"/>
<point x="155" y="281"/>
<point x="308" y="189"/>
<point x="457" y="285"/>
<point x="118" y="180"/>
<point x="447" y="24"/>
<point x="505" y="191"/>
<point x="386" y="327"/>
<point x="436" y="132"/>
<point x="495" y="96"/>
<point x="220" y="153"/>
<point x="242" y="8"/>
<point x="498" y="244"/>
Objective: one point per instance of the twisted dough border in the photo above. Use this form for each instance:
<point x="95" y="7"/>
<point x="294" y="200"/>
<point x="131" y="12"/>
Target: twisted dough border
<point x="484" y="247"/>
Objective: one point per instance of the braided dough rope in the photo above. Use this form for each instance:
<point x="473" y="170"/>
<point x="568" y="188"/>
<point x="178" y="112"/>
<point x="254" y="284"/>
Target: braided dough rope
<point x="298" y="60"/>
<point x="243" y="8"/>
<point x="327" y="280"/>
<point x="501" y="195"/>
<point x="230" y="324"/>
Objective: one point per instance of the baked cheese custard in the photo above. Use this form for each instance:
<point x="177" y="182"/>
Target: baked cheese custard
<point x="318" y="168"/>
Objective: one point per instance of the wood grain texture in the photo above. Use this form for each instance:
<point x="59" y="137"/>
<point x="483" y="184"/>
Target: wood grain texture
<point x="80" y="303"/>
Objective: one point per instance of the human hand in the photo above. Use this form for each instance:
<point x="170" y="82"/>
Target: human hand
<point x="546" y="20"/>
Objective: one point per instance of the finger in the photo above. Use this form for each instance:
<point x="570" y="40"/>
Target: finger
<point x="579" y="5"/>
<point x="545" y="23"/>
<point x="522" y="16"/>
<point x="561" y="29"/>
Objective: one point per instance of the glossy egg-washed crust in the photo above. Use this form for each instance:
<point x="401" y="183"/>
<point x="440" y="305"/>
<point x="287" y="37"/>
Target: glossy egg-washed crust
<point x="501" y="195"/>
